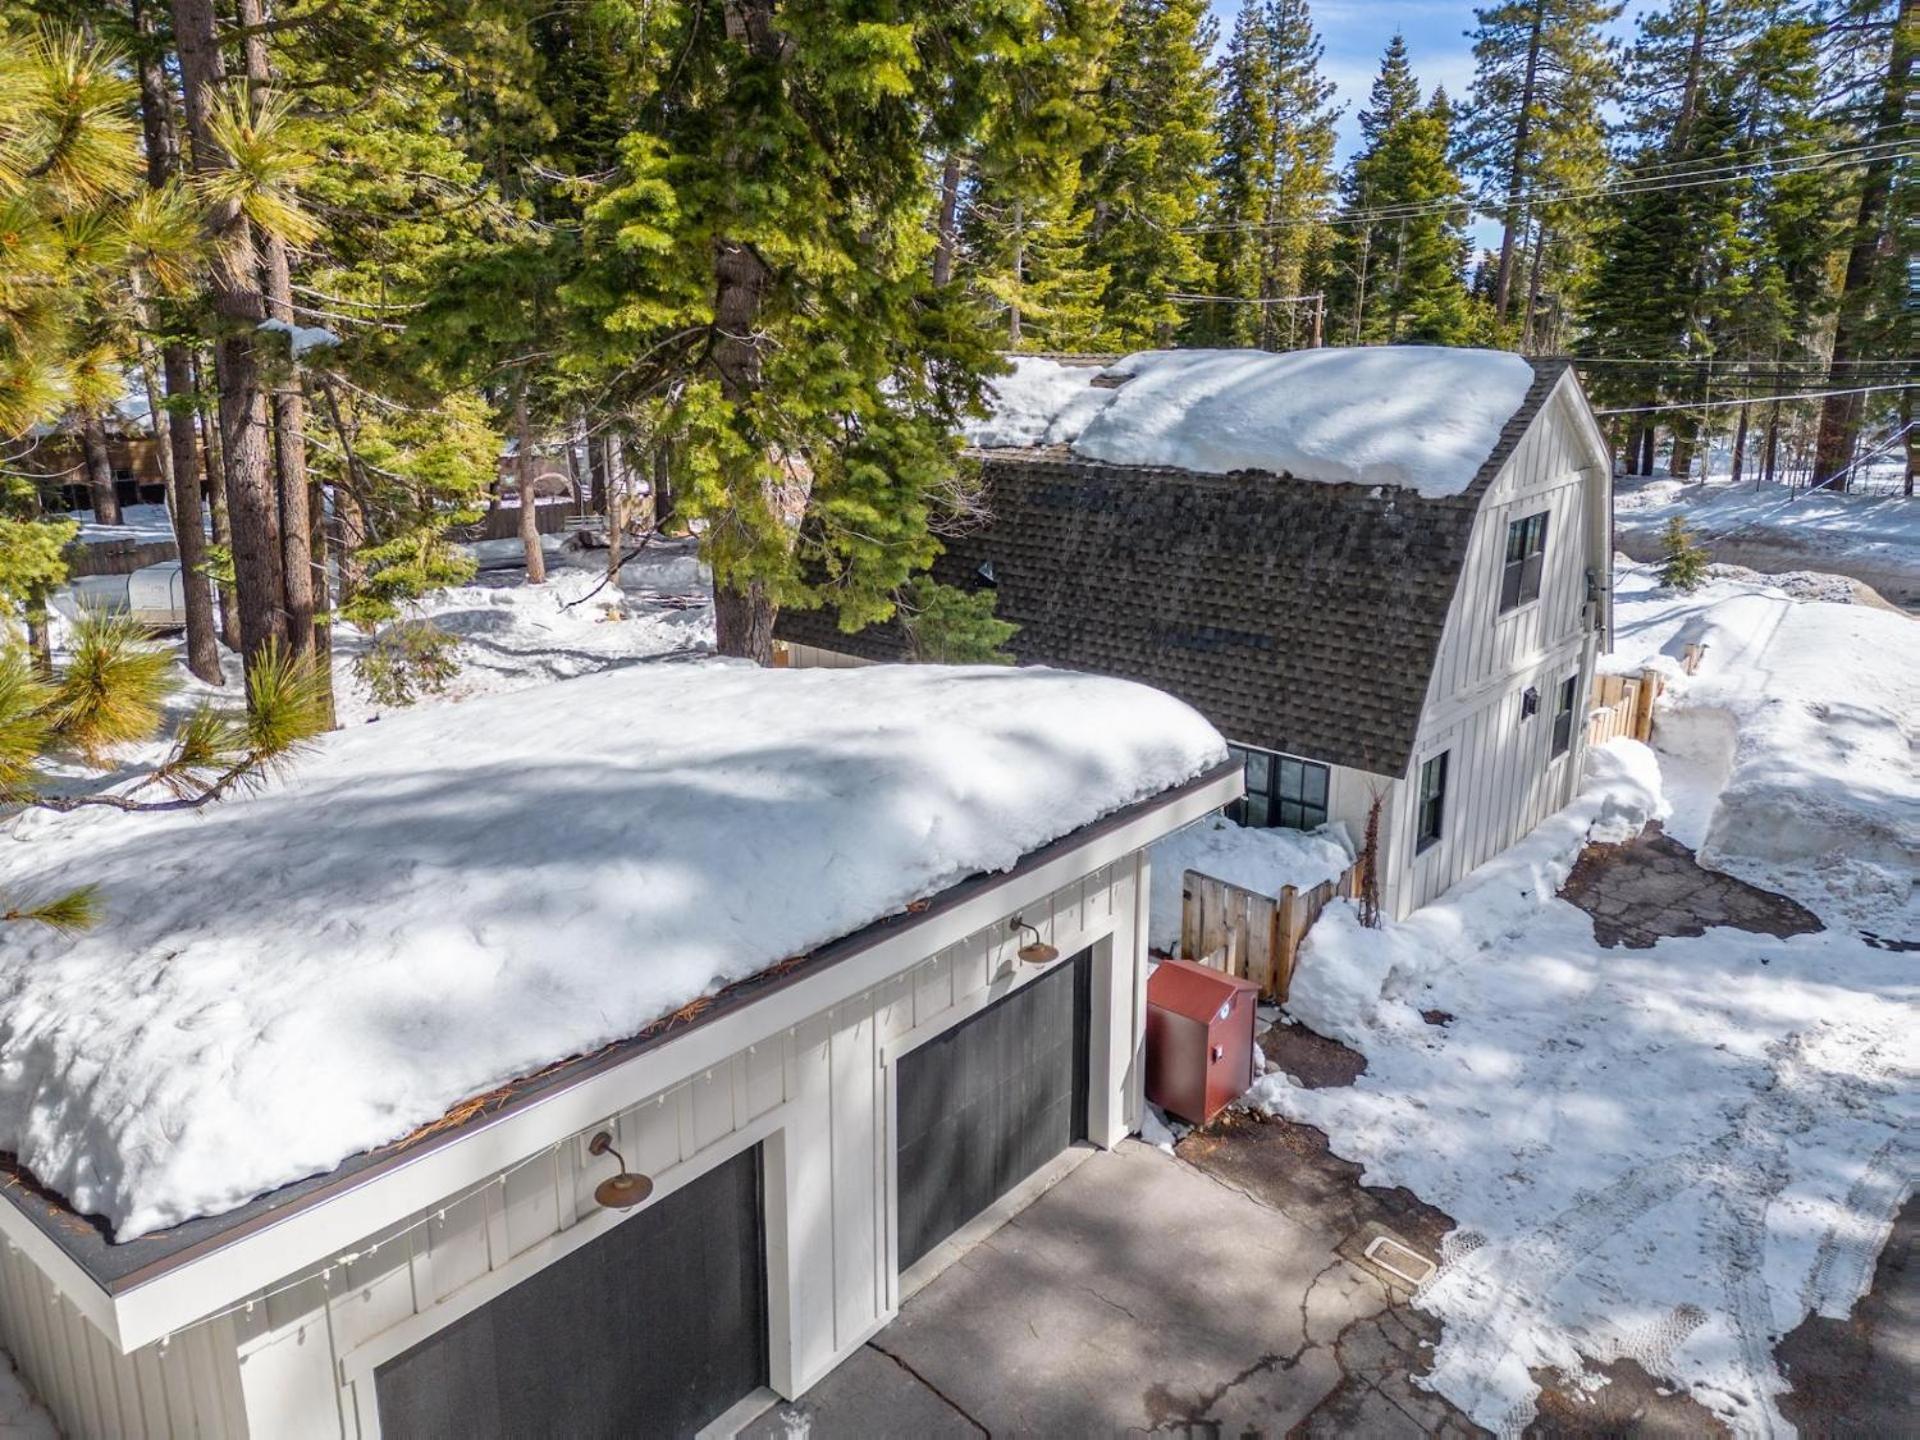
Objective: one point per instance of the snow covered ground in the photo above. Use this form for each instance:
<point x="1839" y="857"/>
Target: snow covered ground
<point x="1670" y="1155"/>
<point x="514" y="635"/>
<point x="1421" y="417"/>
<point x="1873" y="538"/>
<point x="1260" y="860"/>
<point x="1793" y="755"/>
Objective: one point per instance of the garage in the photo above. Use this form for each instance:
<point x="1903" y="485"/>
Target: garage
<point x="655" y="1328"/>
<point x="987" y="1103"/>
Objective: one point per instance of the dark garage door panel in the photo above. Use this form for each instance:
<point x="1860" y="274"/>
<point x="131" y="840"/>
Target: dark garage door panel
<point x="983" y="1106"/>
<point x="655" y="1328"/>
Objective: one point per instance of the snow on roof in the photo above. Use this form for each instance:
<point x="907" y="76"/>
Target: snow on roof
<point x="1418" y="416"/>
<point x="458" y="896"/>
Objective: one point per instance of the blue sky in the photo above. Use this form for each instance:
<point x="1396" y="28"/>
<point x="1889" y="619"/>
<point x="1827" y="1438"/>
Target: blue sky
<point x="1356" y="31"/>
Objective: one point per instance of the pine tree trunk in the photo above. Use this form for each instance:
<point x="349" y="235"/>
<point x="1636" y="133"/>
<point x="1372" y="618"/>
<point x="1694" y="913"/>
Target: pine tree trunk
<point x="1019" y="274"/>
<point x="949" y="228"/>
<point x="189" y="523"/>
<point x="156" y="411"/>
<point x="1529" y="336"/>
<point x="662" y="486"/>
<point x="252" y="496"/>
<point x="1680" y="461"/>
<point x="216" y="468"/>
<point x="597" y="469"/>
<point x="1840" y="415"/>
<point x="289" y="406"/>
<point x="185" y="479"/>
<point x="1649" y="447"/>
<point x="322" y="602"/>
<point x="573" y="477"/>
<point x="1517" y="169"/>
<point x="99" y="462"/>
<point x="743" y="614"/>
<point x="524" y="474"/>
<point x="1740" y="443"/>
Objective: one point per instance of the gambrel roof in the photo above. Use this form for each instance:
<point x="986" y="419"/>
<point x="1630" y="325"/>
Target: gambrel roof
<point x="1296" y="615"/>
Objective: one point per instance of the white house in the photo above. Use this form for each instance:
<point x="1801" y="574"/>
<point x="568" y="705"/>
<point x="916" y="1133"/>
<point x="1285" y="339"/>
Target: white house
<point x="317" y="1134"/>
<point x="1381" y="572"/>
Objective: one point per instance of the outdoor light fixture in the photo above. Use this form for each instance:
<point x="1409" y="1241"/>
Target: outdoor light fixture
<point x="1038" y="952"/>
<point x="622" y="1191"/>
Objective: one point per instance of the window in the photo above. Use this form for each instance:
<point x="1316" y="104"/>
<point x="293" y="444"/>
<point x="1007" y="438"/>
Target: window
<point x="1563" y="715"/>
<point x="1433" y="801"/>
<point x="1281" y="791"/>
<point x="1526" y="558"/>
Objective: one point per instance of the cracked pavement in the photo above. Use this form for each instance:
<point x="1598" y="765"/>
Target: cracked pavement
<point x="1141" y="1294"/>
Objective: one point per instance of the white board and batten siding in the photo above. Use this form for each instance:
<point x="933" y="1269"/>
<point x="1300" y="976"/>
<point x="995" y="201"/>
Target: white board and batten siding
<point x="188" y="1386"/>
<point x="301" y="1361"/>
<point x="1501" y="779"/>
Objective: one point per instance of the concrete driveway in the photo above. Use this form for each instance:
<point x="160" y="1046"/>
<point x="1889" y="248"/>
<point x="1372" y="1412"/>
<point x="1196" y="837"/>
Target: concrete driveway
<point x="1140" y="1294"/>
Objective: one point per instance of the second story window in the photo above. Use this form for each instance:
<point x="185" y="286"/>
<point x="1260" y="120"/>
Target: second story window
<point x="1526" y="560"/>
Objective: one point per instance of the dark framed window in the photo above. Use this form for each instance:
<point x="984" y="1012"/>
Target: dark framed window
<point x="1563" y="715"/>
<point x="1281" y="791"/>
<point x="1433" y="801"/>
<point x="1526" y="560"/>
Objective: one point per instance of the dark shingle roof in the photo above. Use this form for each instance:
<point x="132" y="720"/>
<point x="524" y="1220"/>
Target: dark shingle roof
<point x="1295" y="615"/>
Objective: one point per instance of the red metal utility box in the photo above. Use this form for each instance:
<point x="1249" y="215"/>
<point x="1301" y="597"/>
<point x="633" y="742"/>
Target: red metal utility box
<point x="1199" y="1039"/>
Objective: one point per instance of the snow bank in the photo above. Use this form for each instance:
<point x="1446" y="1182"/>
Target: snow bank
<point x="1417" y="416"/>
<point x="1261" y="860"/>
<point x="1671" y="1155"/>
<point x="1874" y="538"/>
<point x="1794" y="745"/>
<point x="431" y="906"/>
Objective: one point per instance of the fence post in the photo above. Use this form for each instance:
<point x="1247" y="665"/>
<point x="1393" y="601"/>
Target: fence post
<point x="1287" y="930"/>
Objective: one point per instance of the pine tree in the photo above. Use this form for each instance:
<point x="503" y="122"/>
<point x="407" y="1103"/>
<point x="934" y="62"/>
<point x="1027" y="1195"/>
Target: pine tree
<point x="1683" y="561"/>
<point x="1712" y="263"/>
<point x="759" y="278"/>
<point x="1267" y="237"/>
<point x="1402" y="276"/>
<point x="1875" y="303"/>
<point x="1143" y="182"/>
<point x="1543" y="71"/>
<point x="1024" y="232"/>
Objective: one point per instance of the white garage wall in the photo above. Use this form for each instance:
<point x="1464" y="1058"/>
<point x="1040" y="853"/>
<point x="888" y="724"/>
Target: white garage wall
<point x="822" y="1080"/>
<point x="189" y="1386"/>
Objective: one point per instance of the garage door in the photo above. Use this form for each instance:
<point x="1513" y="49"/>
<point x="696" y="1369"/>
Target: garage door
<point x="989" y="1102"/>
<point x="655" y="1328"/>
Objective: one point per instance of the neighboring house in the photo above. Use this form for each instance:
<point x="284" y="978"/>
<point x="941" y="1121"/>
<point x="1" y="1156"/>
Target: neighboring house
<point x="803" y="1012"/>
<point x="1416" y="622"/>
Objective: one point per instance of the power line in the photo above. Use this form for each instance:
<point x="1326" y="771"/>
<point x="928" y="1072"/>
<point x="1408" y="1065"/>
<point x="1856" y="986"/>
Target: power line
<point x="1899" y="361"/>
<point x="1753" y="400"/>
<point x="1826" y="160"/>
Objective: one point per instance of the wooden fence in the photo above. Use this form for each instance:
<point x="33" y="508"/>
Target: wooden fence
<point x="1252" y="935"/>
<point x="117" y="557"/>
<point x="1623" y="704"/>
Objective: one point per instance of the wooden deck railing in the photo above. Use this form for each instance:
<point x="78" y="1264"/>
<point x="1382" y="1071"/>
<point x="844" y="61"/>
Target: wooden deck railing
<point x="1252" y="935"/>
